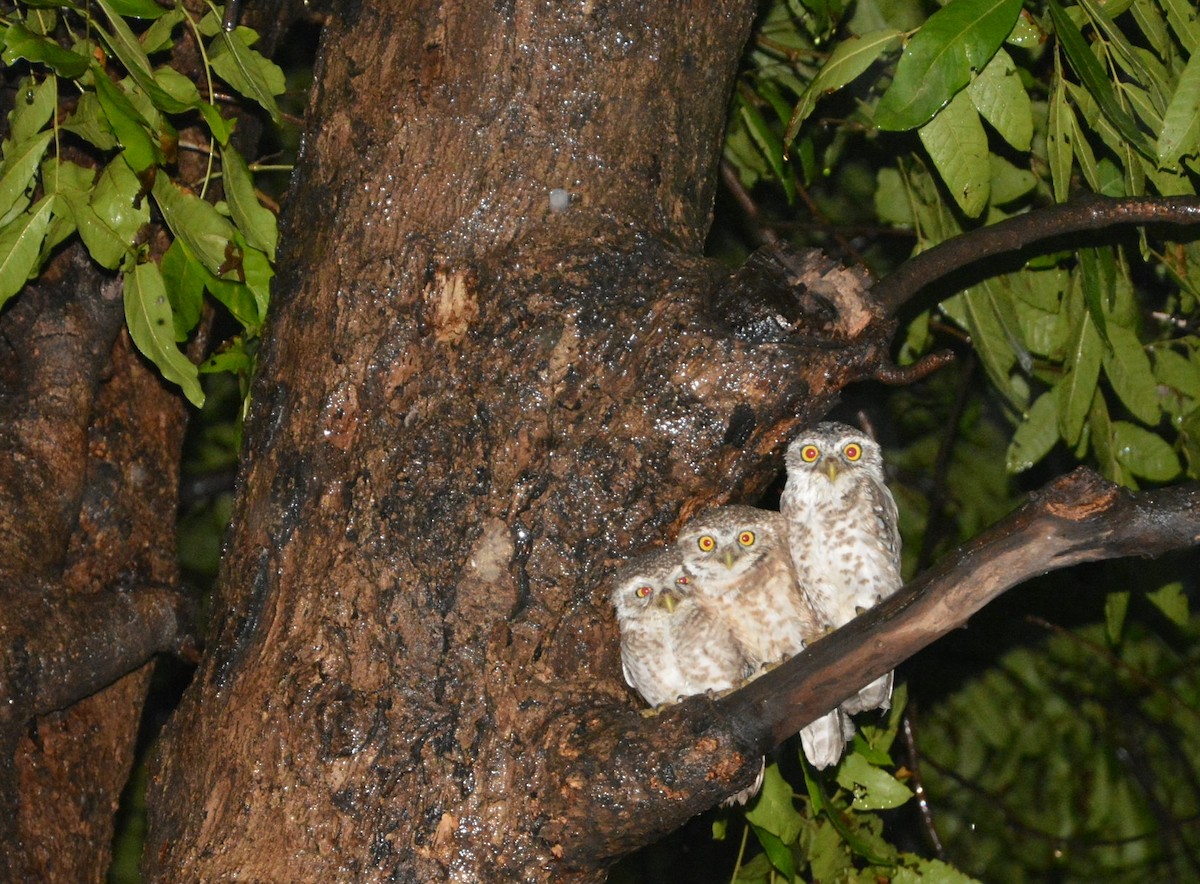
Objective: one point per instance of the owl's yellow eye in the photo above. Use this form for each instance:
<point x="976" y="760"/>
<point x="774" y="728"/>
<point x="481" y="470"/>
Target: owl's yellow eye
<point x="706" y="543"/>
<point x="746" y="538"/>
<point x="643" y="591"/>
<point x="809" y="453"/>
<point x="852" y="452"/>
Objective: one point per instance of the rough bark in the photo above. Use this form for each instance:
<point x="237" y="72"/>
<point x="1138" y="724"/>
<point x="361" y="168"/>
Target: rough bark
<point x="89" y="456"/>
<point x="468" y="408"/>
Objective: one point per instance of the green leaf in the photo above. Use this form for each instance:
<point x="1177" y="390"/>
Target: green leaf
<point x="872" y="787"/>
<point x="235" y="360"/>
<point x="1097" y="275"/>
<point x="17" y="171"/>
<point x="138" y="8"/>
<point x="774" y="811"/>
<point x="848" y="61"/>
<point x="1172" y="601"/>
<point x="157" y="37"/>
<point x="770" y="145"/>
<point x="148" y="315"/>
<point x="1094" y="79"/>
<point x="20" y="42"/>
<point x="1008" y="183"/>
<point x="1180" y="134"/>
<point x="1001" y="100"/>
<point x="248" y="72"/>
<point x="130" y="127"/>
<point x="256" y="223"/>
<point x="1144" y="453"/>
<point x="89" y="122"/>
<point x="1177" y="372"/>
<point x="126" y="47"/>
<point x="111" y="219"/>
<point x="958" y="147"/>
<point x="218" y="125"/>
<point x="208" y="235"/>
<point x="777" y="852"/>
<point x="1128" y="369"/>
<point x="931" y="871"/>
<point x="1036" y="435"/>
<point x="33" y="105"/>
<point x="184" y="278"/>
<point x="1116" y="606"/>
<point x="1100" y="435"/>
<point x="1060" y="136"/>
<point x="938" y="61"/>
<point x="1181" y="15"/>
<point x="179" y="87"/>
<point x="1082" y="371"/>
<point x="20" y="245"/>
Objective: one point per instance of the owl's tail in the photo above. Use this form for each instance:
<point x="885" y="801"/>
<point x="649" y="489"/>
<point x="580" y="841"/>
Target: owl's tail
<point x="824" y="739"/>
<point x="876" y="695"/>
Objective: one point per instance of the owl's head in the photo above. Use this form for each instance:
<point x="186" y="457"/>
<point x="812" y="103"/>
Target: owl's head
<point x="652" y="584"/>
<point x="726" y="543"/>
<point x="833" y="450"/>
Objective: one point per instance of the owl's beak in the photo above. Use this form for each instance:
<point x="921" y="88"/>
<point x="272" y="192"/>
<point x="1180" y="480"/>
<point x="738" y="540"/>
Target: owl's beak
<point x="669" y="600"/>
<point x="728" y="560"/>
<point x="831" y="469"/>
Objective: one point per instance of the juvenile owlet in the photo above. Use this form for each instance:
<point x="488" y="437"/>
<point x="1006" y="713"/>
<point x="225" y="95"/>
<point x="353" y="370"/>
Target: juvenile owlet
<point x="738" y="559"/>
<point x="843" y="530"/>
<point x="671" y="645"/>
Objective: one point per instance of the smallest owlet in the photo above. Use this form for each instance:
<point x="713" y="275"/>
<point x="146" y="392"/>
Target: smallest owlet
<point x="671" y="647"/>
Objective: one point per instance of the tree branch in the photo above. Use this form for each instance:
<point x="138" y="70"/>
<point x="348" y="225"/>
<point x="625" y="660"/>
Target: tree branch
<point x="1090" y="214"/>
<point x="1077" y="518"/>
<point x="644" y="777"/>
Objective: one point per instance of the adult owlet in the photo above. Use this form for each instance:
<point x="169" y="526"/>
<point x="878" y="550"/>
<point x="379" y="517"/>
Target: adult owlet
<point x="738" y="559"/>
<point x="843" y="530"/>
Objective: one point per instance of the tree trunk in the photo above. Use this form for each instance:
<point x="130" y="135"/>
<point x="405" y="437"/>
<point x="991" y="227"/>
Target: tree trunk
<point x="89" y="463"/>
<point x="497" y="365"/>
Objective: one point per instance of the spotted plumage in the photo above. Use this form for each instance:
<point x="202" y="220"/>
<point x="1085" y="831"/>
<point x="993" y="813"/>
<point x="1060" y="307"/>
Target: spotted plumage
<point x="843" y="531"/>
<point x="738" y="559"/>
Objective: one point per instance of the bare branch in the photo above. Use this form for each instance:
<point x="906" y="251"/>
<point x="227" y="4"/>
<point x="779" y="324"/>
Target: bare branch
<point x="644" y="777"/>
<point x="1078" y="518"/>
<point x="1092" y="214"/>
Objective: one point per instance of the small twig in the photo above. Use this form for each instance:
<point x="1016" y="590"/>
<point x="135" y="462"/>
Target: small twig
<point x="1088" y="215"/>
<point x="759" y="232"/>
<point x="900" y="375"/>
<point x="918" y="784"/>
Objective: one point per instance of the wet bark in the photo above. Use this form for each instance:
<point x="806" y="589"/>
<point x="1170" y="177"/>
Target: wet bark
<point x="472" y="404"/>
<point x="496" y="366"/>
<point x="89" y="464"/>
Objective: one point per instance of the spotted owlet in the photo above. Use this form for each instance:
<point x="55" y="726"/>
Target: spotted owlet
<point x="738" y="559"/>
<point x="671" y="645"/>
<point x="843" y="530"/>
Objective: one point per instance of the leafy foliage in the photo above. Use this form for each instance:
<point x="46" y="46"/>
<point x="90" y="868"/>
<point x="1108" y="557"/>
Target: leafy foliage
<point x="90" y="91"/>
<point x="941" y="120"/>
<point x="838" y="836"/>
<point x="1073" y="759"/>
